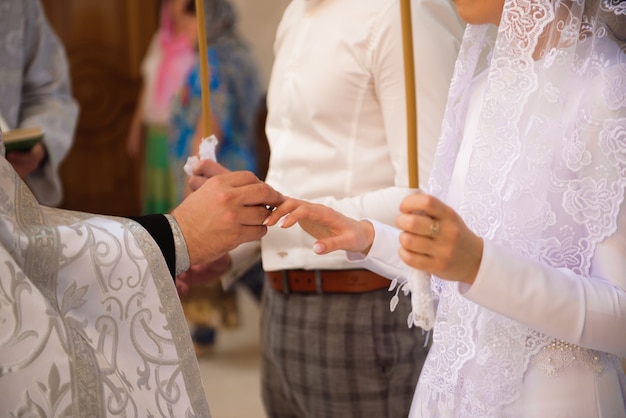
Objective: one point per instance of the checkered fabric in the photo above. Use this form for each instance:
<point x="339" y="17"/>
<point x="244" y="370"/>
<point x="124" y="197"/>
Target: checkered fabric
<point x="338" y="355"/>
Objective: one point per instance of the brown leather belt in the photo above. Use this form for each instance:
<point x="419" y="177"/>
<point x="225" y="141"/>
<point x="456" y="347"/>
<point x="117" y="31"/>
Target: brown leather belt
<point x="326" y="281"/>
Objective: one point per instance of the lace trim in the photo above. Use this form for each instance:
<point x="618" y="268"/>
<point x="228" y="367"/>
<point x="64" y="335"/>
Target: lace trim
<point x="180" y="246"/>
<point x="417" y="284"/>
<point x="559" y="355"/>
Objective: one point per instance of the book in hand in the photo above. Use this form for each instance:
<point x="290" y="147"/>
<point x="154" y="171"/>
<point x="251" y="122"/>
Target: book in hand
<point x="22" y="139"/>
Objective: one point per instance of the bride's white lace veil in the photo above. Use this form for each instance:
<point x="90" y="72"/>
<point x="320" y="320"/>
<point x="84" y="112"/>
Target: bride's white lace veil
<point x="547" y="170"/>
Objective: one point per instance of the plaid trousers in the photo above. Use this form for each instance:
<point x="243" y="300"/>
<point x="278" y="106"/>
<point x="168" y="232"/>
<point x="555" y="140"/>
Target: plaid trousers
<point x="338" y="355"/>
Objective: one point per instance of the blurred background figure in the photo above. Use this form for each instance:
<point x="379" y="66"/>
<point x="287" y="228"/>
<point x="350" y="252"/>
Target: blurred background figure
<point x="168" y="60"/>
<point x="235" y="96"/>
<point x="35" y="91"/>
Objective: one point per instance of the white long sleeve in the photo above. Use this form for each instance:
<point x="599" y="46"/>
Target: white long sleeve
<point x="586" y="311"/>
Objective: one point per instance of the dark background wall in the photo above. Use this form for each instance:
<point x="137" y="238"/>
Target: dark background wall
<point x="105" y="42"/>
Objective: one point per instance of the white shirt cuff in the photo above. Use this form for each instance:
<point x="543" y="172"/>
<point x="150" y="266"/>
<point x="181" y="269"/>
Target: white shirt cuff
<point x="241" y="259"/>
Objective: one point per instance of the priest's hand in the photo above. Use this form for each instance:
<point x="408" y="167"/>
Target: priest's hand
<point x="225" y="211"/>
<point x="332" y="230"/>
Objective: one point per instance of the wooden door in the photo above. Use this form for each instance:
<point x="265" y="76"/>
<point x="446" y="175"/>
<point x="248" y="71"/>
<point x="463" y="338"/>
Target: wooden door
<point x="105" y="43"/>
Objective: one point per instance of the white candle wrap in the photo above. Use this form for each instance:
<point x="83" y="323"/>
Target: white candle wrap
<point x="206" y="152"/>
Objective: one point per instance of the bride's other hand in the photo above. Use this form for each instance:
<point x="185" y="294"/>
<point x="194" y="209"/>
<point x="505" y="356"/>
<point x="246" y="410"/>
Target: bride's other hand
<point x="436" y="240"/>
<point x="332" y="230"/>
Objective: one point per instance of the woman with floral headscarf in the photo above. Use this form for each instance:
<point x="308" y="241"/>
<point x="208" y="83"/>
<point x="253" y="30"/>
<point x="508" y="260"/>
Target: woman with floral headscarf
<point x="528" y="252"/>
<point x="234" y="91"/>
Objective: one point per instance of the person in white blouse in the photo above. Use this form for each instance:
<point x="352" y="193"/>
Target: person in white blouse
<point x="524" y="225"/>
<point x="337" y="133"/>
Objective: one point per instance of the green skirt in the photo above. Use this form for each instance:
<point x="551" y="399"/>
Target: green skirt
<point x="158" y="185"/>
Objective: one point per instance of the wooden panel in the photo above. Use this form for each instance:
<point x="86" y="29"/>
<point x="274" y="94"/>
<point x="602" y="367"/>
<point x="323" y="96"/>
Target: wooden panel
<point x="105" y="43"/>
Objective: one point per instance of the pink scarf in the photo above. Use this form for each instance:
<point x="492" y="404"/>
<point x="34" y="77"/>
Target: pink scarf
<point x="177" y="57"/>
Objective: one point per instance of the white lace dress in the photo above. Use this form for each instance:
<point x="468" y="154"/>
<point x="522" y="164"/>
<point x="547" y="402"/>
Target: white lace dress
<point x="498" y="346"/>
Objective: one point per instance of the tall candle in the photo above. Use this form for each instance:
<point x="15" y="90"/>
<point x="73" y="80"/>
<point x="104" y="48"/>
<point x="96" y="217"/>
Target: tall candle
<point x="204" y="70"/>
<point x="409" y="83"/>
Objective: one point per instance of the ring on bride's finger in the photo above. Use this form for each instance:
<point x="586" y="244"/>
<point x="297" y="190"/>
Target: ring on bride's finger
<point x="434" y="229"/>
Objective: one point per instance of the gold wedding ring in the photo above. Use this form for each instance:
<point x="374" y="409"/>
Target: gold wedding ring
<point x="434" y="229"/>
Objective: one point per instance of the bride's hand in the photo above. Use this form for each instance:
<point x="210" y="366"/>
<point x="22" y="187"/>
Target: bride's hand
<point x="332" y="230"/>
<point x="436" y="240"/>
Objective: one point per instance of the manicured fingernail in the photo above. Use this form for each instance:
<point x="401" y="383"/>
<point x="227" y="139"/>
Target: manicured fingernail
<point x="266" y="221"/>
<point x="281" y="222"/>
<point x="318" y="248"/>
